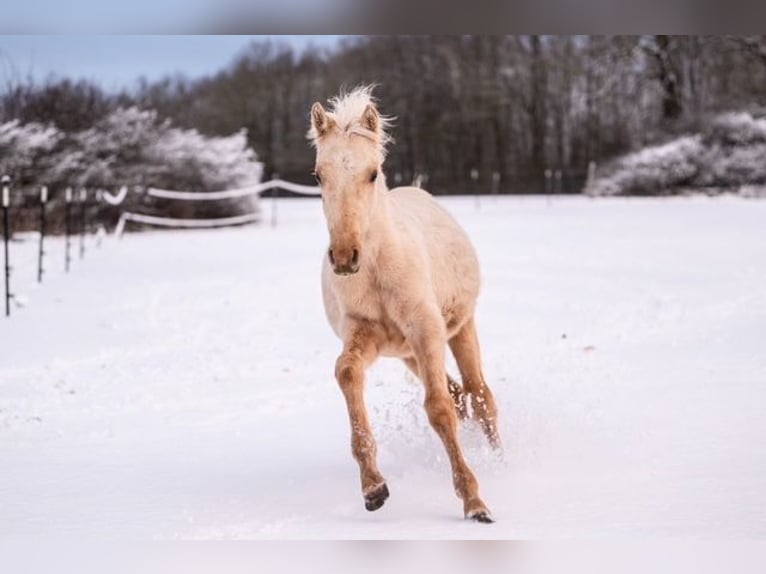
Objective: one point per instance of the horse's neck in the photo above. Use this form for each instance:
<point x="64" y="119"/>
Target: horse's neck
<point x="381" y="229"/>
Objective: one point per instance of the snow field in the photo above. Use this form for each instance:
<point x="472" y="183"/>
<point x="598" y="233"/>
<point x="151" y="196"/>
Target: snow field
<point x="180" y="384"/>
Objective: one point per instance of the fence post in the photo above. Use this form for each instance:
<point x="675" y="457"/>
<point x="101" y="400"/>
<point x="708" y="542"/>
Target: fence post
<point x="274" y="178"/>
<point x="548" y="185"/>
<point x="83" y="199"/>
<point x="6" y="183"/>
<point x="591" y="175"/>
<point x="100" y="229"/>
<point x="475" y="179"/>
<point x="41" y="251"/>
<point x="68" y="229"/>
<point x="557" y="175"/>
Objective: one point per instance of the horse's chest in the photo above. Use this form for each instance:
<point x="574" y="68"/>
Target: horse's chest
<point x="368" y="302"/>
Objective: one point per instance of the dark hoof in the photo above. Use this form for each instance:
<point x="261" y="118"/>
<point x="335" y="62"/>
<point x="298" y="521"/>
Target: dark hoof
<point x="482" y="516"/>
<point x="376" y="497"/>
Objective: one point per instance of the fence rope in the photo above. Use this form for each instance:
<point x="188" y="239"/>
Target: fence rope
<point x="234" y="193"/>
<point x="186" y="223"/>
<point x="115" y="199"/>
<point x="307" y="190"/>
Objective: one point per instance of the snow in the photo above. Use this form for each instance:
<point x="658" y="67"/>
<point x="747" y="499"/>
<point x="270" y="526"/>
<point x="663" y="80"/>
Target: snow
<point x="180" y="384"/>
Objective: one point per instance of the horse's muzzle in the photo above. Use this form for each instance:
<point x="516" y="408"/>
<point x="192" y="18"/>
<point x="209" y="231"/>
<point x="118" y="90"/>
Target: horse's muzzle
<point x="344" y="263"/>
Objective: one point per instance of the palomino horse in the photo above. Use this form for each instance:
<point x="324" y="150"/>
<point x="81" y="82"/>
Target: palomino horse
<point x="400" y="279"/>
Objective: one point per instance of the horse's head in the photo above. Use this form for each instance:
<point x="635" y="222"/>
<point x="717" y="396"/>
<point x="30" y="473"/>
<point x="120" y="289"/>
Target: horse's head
<point x="350" y="144"/>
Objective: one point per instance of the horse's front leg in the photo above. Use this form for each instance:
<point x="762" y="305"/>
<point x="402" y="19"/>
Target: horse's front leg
<point x="360" y="349"/>
<point x="428" y="340"/>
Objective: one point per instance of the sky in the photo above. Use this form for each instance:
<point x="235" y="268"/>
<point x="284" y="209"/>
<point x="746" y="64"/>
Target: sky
<point x="117" y="61"/>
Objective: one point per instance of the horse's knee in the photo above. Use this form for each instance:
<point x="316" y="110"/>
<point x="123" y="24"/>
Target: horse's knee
<point x="348" y="370"/>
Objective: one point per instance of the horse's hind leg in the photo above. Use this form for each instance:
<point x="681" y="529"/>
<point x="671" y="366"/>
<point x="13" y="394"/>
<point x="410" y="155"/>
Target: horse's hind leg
<point x="455" y="389"/>
<point x="359" y="351"/>
<point x="465" y="346"/>
<point x="428" y="343"/>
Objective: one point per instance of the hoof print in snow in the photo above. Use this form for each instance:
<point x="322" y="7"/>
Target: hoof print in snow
<point x="376" y="497"/>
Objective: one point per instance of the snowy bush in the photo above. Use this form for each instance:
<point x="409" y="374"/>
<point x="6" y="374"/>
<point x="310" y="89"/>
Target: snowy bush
<point x="113" y="152"/>
<point x="129" y="147"/>
<point x="729" y="154"/>
<point x="25" y="149"/>
<point x="737" y="129"/>
<point x="653" y="170"/>
<point x="133" y="146"/>
<point x="189" y="160"/>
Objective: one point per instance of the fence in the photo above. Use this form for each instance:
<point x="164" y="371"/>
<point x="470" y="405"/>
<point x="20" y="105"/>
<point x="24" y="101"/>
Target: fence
<point x="79" y="209"/>
<point x="273" y="185"/>
<point x="71" y="218"/>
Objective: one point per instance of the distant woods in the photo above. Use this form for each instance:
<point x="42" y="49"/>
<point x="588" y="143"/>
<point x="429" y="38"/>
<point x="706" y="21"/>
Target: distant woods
<point x="514" y="106"/>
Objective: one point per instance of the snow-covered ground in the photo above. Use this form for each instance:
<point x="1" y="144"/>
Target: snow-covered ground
<point x="180" y="384"/>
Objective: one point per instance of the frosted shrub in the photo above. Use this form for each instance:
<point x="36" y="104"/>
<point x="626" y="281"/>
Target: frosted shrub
<point x="111" y="153"/>
<point x="733" y="167"/>
<point x="25" y="148"/>
<point x="736" y="152"/>
<point x="729" y="154"/>
<point x="653" y="170"/>
<point x="133" y="146"/>
<point x="736" y="129"/>
<point x="190" y="160"/>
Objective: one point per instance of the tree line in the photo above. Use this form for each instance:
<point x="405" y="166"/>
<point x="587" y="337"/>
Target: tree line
<point x="504" y="109"/>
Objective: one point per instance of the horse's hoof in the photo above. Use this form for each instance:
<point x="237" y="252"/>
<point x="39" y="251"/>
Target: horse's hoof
<point x="496" y="444"/>
<point x="376" y="497"/>
<point x="482" y="516"/>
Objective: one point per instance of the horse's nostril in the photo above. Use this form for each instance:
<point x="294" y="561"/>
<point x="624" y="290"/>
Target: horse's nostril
<point x="355" y="257"/>
<point x="329" y="254"/>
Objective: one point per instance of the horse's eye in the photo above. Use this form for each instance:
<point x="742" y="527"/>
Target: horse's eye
<point x="373" y="176"/>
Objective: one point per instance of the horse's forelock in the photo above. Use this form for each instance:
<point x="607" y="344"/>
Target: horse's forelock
<point x="347" y="111"/>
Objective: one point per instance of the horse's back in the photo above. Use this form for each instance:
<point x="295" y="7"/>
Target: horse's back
<point x="454" y="267"/>
<point x="416" y="206"/>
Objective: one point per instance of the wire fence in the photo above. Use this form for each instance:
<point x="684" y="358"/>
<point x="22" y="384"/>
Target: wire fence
<point x="85" y="212"/>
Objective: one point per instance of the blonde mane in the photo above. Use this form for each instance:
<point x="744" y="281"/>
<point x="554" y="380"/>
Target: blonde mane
<point x="346" y="111"/>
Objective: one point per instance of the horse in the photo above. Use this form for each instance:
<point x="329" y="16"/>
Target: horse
<point x="400" y="279"/>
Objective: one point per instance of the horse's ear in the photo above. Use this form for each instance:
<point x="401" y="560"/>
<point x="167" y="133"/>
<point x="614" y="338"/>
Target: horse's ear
<point x="320" y="121"/>
<point x="371" y="119"/>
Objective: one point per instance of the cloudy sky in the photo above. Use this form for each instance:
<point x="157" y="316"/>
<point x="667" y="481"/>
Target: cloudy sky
<point x="117" y="61"/>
